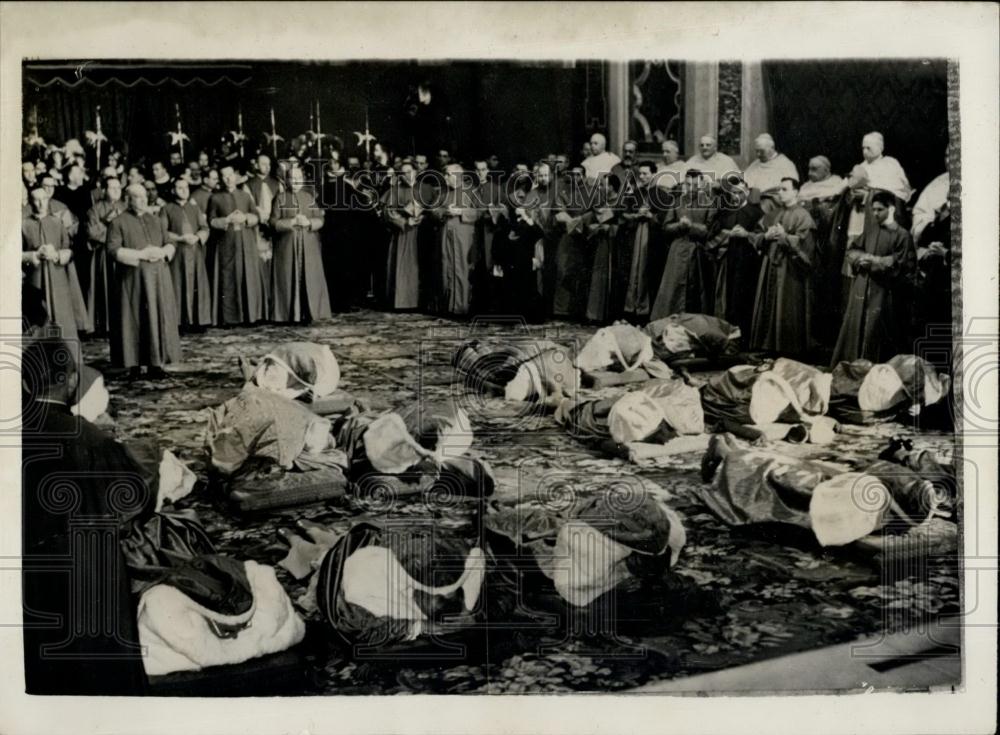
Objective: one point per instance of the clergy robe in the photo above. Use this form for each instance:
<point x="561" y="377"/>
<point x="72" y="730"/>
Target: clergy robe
<point x="573" y="255"/>
<point x="717" y="165"/>
<point x="428" y="235"/>
<point x="399" y="205"/>
<point x="457" y="251"/>
<point x="606" y="296"/>
<point x="548" y="203"/>
<point x="885" y="172"/>
<point x="737" y="265"/>
<point x="144" y="327"/>
<point x="766" y="178"/>
<point x="264" y="190"/>
<point x="200" y="196"/>
<point x="933" y="312"/>
<point x="929" y="203"/>
<point x="828" y="287"/>
<point x="490" y="198"/>
<point x="192" y="289"/>
<point x="875" y="322"/>
<point x="69" y="568"/>
<point x="602" y="163"/>
<point x="300" y="292"/>
<point x="517" y="245"/>
<point x="781" y="318"/>
<point x="641" y="225"/>
<point x="102" y="267"/>
<point x="59" y="284"/>
<point x="79" y="203"/>
<point x="238" y="288"/>
<point x="688" y="280"/>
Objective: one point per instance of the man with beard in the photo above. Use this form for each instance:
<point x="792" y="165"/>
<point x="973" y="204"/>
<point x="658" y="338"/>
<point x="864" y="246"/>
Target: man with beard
<point x="875" y="321"/>
<point x="144" y="324"/>
<point x="403" y="213"/>
<point x="547" y="203"/>
<point x="102" y="214"/>
<point x="781" y="316"/>
<point x="625" y="168"/>
<point x="737" y="262"/>
<point x="187" y="231"/>
<point x="300" y="292"/>
<point x="47" y="262"/>
<point x="238" y="288"/>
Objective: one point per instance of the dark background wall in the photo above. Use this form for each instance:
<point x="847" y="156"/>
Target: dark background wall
<point x="515" y="110"/>
<point x="825" y="107"/>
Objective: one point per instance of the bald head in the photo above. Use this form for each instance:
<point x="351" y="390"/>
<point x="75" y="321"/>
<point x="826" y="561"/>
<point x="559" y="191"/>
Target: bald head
<point x="707" y="146"/>
<point x="819" y="168"/>
<point x="137" y="198"/>
<point x="763" y="147"/>
<point x="598" y="144"/>
<point x="872" y="146"/>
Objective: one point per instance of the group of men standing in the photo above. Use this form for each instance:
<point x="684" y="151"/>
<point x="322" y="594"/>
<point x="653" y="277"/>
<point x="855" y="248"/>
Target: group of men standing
<point x="816" y="268"/>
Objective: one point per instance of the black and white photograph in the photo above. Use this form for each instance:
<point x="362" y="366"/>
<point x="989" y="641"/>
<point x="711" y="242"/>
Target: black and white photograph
<point x="630" y="371"/>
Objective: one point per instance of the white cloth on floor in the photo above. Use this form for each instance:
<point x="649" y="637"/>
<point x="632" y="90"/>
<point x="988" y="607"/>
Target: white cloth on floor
<point x="177" y="634"/>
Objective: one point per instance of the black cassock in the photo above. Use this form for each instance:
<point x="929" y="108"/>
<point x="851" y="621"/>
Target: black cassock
<point x="80" y="490"/>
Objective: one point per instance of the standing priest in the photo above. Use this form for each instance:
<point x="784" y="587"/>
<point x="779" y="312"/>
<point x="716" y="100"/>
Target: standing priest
<point x="187" y="231"/>
<point x="238" y="286"/>
<point x="300" y="292"/>
<point x="144" y="324"/>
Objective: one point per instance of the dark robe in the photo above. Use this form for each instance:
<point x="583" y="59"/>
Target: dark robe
<point x="402" y="271"/>
<point x="606" y="295"/>
<point x="827" y="294"/>
<point x="164" y="189"/>
<point x="144" y="322"/>
<point x="200" y="196"/>
<point x="428" y="237"/>
<point x="737" y="265"/>
<point x="341" y="257"/>
<point x="63" y="296"/>
<point x="933" y="312"/>
<point x="78" y="202"/>
<point x="514" y="250"/>
<point x="264" y="201"/>
<point x="688" y="281"/>
<point x="457" y="249"/>
<point x="300" y="292"/>
<point x="238" y="288"/>
<point x="781" y="318"/>
<point x="574" y="258"/>
<point x="192" y="289"/>
<point x="875" y="325"/>
<point x="490" y="198"/>
<point x="78" y="495"/>
<point x="102" y="267"/>
<point x="638" y="235"/>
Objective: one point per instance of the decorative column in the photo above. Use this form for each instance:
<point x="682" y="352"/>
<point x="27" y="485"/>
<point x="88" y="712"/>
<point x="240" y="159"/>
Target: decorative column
<point x="618" y="105"/>
<point x="701" y="103"/>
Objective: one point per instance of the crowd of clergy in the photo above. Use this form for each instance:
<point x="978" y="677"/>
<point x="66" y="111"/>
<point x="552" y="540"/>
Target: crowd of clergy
<point x="822" y="267"/>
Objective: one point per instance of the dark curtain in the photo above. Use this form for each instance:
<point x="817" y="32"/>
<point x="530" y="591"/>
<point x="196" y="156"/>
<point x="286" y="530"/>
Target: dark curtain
<point x="519" y="111"/>
<point x="826" y="107"/>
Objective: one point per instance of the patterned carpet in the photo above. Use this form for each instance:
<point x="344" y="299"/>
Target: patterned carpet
<point x="776" y="594"/>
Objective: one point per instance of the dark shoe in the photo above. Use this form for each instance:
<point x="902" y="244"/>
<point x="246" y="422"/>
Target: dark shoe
<point x="156" y="373"/>
<point x="133" y="374"/>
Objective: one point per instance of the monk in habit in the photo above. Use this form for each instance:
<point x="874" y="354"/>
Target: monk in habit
<point x="47" y="261"/>
<point x="102" y="214"/>
<point x="300" y="291"/>
<point x="737" y="261"/>
<point x="187" y="231"/>
<point x="639" y="231"/>
<point x="688" y="281"/>
<point x="403" y="213"/>
<point x="456" y="243"/>
<point x="781" y="318"/>
<point x="144" y="327"/>
<point x="238" y="286"/>
<point x="875" y="323"/>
